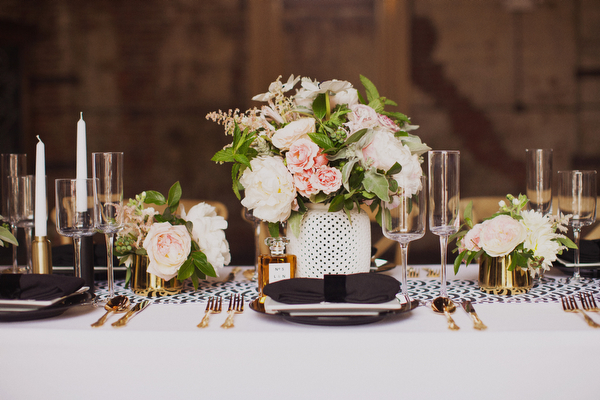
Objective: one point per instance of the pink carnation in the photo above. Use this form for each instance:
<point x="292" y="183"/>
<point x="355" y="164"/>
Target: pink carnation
<point x="327" y="179"/>
<point x="302" y="155"/>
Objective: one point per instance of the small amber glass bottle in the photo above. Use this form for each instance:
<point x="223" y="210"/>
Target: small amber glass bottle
<point x="276" y="266"/>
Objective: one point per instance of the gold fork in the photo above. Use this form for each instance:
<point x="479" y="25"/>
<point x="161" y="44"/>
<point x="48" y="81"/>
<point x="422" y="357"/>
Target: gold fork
<point x="588" y="302"/>
<point x="212" y="307"/>
<point x="432" y="273"/>
<point x="570" y="305"/>
<point x="412" y="273"/>
<point x="236" y="305"/>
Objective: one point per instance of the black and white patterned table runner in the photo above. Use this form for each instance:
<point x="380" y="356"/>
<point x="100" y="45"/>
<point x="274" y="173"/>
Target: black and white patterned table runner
<point x="545" y="290"/>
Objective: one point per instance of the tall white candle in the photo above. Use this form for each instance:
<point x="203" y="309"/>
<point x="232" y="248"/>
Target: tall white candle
<point x="81" y="165"/>
<point x="41" y="210"/>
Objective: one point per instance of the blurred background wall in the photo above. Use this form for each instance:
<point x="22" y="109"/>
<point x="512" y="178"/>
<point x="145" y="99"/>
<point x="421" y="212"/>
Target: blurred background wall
<point x="487" y="77"/>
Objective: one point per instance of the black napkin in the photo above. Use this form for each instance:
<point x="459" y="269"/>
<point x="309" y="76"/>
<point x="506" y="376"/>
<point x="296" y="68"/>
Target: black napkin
<point x="354" y="288"/>
<point x="589" y="252"/>
<point x="37" y="286"/>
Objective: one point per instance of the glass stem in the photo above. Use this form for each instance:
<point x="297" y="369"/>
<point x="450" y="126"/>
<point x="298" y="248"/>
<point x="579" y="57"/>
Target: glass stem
<point x="576" y="236"/>
<point x="256" y="246"/>
<point x="15" y="264"/>
<point x="110" y="238"/>
<point x="28" y="238"/>
<point x="443" y="251"/>
<point x="77" y="255"/>
<point x="404" y="252"/>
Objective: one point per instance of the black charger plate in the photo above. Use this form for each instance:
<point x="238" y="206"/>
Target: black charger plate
<point x="46" y="312"/>
<point x="337" y="320"/>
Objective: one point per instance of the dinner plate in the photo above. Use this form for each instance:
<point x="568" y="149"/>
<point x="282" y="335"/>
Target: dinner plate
<point x="381" y="265"/>
<point x="335" y="320"/>
<point x="46" y="312"/>
<point x="581" y="265"/>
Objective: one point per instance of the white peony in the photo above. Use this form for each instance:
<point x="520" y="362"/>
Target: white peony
<point x="269" y="189"/>
<point x="208" y="232"/>
<point x="295" y="130"/>
<point x="500" y="235"/>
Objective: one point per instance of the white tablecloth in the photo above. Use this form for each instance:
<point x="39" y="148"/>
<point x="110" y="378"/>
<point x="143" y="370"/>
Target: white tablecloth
<point x="530" y="350"/>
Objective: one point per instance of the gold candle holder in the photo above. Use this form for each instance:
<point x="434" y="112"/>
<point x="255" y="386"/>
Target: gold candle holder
<point x="41" y="255"/>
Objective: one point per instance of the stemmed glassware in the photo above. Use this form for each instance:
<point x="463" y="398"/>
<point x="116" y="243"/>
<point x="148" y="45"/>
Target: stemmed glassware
<point x="11" y="166"/>
<point x="444" y="201"/>
<point x="577" y="197"/>
<point x="258" y="228"/>
<point x="76" y="207"/>
<point x="403" y="220"/>
<point x="108" y="170"/>
<point x="538" y="166"/>
<point x="25" y="192"/>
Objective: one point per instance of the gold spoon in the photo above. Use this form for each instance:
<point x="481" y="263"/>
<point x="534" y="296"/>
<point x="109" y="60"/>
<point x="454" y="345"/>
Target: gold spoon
<point x="446" y="306"/>
<point x="116" y="304"/>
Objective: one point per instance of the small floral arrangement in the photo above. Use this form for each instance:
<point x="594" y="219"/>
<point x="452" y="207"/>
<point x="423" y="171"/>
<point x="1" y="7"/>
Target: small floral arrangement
<point x="191" y="245"/>
<point x="324" y="144"/>
<point x="529" y="237"/>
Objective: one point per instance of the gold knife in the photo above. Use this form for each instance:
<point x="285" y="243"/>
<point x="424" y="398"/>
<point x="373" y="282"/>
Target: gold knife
<point x="138" y="308"/>
<point x="477" y="324"/>
<point x="232" y="274"/>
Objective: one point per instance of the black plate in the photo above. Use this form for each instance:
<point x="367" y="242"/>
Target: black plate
<point x="337" y="320"/>
<point x="47" y="312"/>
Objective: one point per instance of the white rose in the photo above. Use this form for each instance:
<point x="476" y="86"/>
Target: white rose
<point x="385" y="150"/>
<point x="286" y="136"/>
<point x="208" y="232"/>
<point x="349" y="97"/>
<point x="168" y="247"/>
<point x="269" y="189"/>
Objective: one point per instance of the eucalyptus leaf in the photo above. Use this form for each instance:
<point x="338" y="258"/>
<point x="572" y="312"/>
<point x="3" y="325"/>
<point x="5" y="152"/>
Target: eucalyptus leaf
<point x="294" y="222"/>
<point x="376" y="183"/>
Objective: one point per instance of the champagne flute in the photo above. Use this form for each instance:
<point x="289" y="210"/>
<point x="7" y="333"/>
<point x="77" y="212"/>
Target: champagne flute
<point x="108" y="169"/>
<point x="11" y="166"/>
<point x="577" y="197"/>
<point x="76" y="207"/>
<point x="403" y="220"/>
<point x="538" y="166"/>
<point x="444" y="201"/>
<point x="25" y="192"/>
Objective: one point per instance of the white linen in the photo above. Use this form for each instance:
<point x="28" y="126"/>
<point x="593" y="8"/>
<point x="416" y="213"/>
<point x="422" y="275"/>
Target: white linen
<point x="530" y="350"/>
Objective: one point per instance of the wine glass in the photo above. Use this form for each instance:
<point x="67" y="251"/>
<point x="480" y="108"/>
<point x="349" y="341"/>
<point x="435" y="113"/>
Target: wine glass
<point x="403" y="220"/>
<point x="25" y="192"/>
<point x="538" y="166"/>
<point x="577" y="197"/>
<point x="76" y="207"/>
<point x="444" y="201"/>
<point x="11" y="166"/>
<point x="108" y="169"/>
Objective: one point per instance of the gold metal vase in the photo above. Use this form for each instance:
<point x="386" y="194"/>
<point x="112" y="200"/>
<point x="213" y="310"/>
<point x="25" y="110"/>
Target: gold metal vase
<point x="495" y="278"/>
<point x="149" y="285"/>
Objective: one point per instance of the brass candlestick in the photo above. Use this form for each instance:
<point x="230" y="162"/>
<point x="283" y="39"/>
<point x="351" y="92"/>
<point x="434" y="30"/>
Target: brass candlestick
<point x="41" y="255"/>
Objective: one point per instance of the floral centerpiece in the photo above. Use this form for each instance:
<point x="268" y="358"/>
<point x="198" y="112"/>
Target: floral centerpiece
<point x="324" y="144"/>
<point x="190" y="245"/>
<point x="532" y="239"/>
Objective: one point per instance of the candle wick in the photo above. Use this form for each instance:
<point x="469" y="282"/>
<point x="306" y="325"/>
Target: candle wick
<point x="38" y="136"/>
<point x="81" y="115"/>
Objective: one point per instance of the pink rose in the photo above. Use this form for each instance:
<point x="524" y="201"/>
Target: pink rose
<point x="320" y="159"/>
<point x="303" y="184"/>
<point x="301" y="155"/>
<point x="362" y="116"/>
<point x="168" y="247"/>
<point x="387" y="123"/>
<point x="327" y="179"/>
<point x="471" y="240"/>
<point x="500" y="235"/>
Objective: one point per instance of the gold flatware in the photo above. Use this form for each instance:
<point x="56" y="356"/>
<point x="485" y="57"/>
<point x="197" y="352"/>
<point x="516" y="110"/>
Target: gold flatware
<point x="212" y="307"/>
<point x="588" y="302"/>
<point x="446" y="306"/>
<point x="432" y="273"/>
<point x="232" y="274"/>
<point x="138" y="308"/>
<point x="412" y="273"/>
<point x="477" y="323"/>
<point x="236" y="306"/>
<point x="115" y="305"/>
<point x="570" y="305"/>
